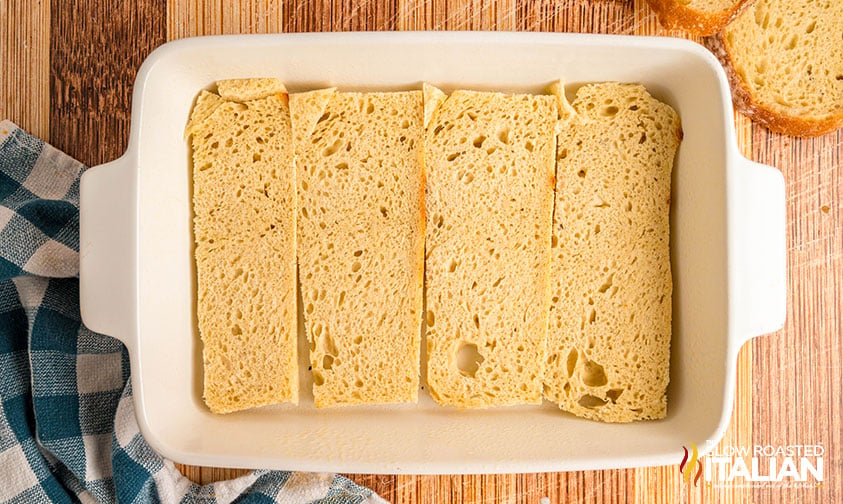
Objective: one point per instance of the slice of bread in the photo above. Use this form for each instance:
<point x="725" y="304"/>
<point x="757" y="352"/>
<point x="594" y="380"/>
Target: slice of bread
<point x="206" y="104"/>
<point x="244" y="199"/>
<point x="784" y="59"/>
<point x="610" y="316"/>
<point x="699" y="17"/>
<point x="490" y="163"/>
<point x="433" y="98"/>
<point x="243" y="90"/>
<point x="359" y="159"/>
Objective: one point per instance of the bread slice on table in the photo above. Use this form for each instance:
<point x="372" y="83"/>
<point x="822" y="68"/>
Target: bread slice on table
<point x="699" y="17"/>
<point x="784" y="59"/>
<point x="244" y="225"/>
<point x="359" y="159"/>
<point x="610" y="315"/>
<point x="489" y="203"/>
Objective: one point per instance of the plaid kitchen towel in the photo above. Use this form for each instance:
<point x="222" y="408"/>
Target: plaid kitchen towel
<point x="67" y="424"/>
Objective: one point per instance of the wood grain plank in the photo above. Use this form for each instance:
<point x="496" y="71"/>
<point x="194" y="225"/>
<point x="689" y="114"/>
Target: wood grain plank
<point x="212" y="17"/>
<point x="25" y="64"/>
<point x="414" y="15"/>
<point x="342" y="15"/>
<point x="96" y="50"/>
<point x="799" y="400"/>
<point x="577" y="16"/>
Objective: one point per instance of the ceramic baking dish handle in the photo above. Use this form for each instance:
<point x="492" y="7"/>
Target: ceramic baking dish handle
<point x="107" y="251"/>
<point x="757" y="268"/>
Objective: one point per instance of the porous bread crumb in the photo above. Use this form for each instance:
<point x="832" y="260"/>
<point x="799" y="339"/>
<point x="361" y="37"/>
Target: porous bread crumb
<point x="784" y="60"/>
<point x="610" y="316"/>
<point x="245" y="232"/>
<point x="490" y="164"/>
<point x="243" y="90"/>
<point x="361" y="229"/>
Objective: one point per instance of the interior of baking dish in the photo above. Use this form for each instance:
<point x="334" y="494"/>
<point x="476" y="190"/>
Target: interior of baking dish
<point x="424" y="437"/>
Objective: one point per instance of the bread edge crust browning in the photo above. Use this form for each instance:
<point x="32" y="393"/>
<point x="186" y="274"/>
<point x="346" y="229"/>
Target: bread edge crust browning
<point x="673" y="15"/>
<point x="746" y="104"/>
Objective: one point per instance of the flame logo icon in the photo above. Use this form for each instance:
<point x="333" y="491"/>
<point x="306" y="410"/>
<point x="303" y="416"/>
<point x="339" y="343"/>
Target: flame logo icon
<point x="686" y="467"/>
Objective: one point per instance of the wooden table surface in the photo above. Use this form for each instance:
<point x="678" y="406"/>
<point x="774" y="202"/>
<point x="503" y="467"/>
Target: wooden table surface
<point x="66" y="75"/>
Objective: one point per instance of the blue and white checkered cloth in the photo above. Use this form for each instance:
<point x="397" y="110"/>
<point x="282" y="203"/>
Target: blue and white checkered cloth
<point x="67" y="424"/>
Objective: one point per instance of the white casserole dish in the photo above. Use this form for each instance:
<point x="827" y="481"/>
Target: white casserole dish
<point x="138" y="282"/>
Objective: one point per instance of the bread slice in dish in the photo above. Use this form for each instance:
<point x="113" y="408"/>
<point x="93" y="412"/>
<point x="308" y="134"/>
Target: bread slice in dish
<point x="610" y="315"/>
<point x="359" y="159"/>
<point x="784" y="59"/>
<point x="490" y="163"/>
<point x="244" y="225"/>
